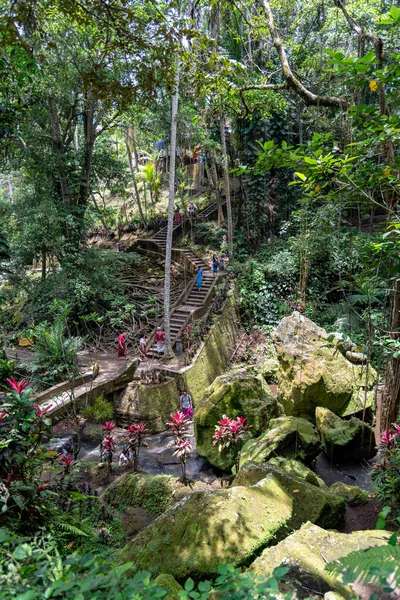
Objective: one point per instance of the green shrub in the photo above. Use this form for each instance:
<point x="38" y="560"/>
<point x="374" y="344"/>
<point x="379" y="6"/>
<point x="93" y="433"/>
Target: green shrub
<point x="100" y="411"/>
<point x="32" y="569"/>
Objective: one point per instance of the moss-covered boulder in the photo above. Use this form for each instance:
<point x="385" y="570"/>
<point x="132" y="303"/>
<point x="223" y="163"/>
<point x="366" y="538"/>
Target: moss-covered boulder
<point x="314" y="372"/>
<point x="288" y="437"/>
<point x="169" y="583"/>
<point x="306" y="553"/>
<point x="310" y="502"/>
<point x="345" y="440"/>
<point x="153" y="493"/>
<point x="208" y="528"/>
<point x="152" y="404"/>
<point x="235" y="395"/>
<point x="354" y="495"/>
<point x="230" y="526"/>
<point x="251" y="472"/>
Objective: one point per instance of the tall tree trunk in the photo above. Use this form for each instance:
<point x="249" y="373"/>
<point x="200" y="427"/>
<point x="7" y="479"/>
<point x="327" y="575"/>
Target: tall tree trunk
<point x="44" y="264"/>
<point x="391" y="397"/>
<point x="130" y="136"/>
<point x="227" y="187"/>
<point x="171" y="198"/>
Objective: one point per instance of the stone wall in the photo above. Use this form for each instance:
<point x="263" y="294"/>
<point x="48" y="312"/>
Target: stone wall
<point x="213" y="357"/>
<point x="154" y="403"/>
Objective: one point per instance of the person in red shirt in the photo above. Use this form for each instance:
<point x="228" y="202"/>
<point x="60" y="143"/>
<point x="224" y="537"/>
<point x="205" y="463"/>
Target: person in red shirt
<point x="122" y="347"/>
<point x="160" y="339"/>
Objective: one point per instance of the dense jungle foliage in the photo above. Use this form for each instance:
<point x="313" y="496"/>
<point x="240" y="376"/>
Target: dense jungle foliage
<point x="285" y="114"/>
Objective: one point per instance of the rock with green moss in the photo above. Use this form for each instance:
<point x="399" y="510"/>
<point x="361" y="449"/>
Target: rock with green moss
<point x="239" y="394"/>
<point x="288" y="437"/>
<point x="152" y="404"/>
<point x="354" y="495"/>
<point x="153" y="493"/>
<point x="227" y="526"/>
<point x="306" y="553"/>
<point x="253" y="472"/>
<point x="345" y="440"/>
<point x="314" y="372"/>
<point x="206" y="529"/>
<point x="310" y="502"/>
<point x="169" y="583"/>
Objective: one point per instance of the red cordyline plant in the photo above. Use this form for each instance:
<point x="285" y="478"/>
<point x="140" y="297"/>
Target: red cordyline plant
<point x="179" y="424"/>
<point x="18" y="386"/>
<point x="228" y="433"/>
<point x="386" y="472"/>
<point x="136" y="433"/>
<point x="67" y="461"/>
<point x="108" y="426"/>
<point x="108" y="450"/>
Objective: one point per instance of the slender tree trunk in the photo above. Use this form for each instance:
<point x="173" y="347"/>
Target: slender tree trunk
<point x="391" y="397"/>
<point x="131" y="136"/>
<point x="44" y="265"/>
<point x="171" y="198"/>
<point x="100" y="215"/>
<point x="227" y="188"/>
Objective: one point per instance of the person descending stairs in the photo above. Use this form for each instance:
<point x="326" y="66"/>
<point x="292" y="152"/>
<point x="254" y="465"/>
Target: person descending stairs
<point x="180" y="316"/>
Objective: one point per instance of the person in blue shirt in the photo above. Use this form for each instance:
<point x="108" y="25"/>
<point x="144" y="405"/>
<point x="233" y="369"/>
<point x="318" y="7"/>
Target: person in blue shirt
<point x="199" y="278"/>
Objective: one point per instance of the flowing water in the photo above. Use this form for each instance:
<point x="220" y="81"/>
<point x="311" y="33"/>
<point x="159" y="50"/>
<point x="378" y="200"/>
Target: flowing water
<point x="155" y="458"/>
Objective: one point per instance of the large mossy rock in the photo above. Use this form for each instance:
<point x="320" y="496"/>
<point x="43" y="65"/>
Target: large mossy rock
<point x="233" y="395"/>
<point x="287" y="436"/>
<point x="314" y="372"/>
<point x="228" y="526"/>
<point x="345" y="440"/>
<point x="354" y="495"/>
<point x="153" y="493"/>
<point x="152" y="404"/>
<point x="310" y="502"/>
<point x="306" y="553"/>
<point x="251" y="472"/>
<point x="169" y="583"/>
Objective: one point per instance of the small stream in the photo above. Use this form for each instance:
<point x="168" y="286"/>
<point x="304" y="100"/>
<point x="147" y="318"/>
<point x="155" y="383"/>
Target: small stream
<point x="157" y="458"/>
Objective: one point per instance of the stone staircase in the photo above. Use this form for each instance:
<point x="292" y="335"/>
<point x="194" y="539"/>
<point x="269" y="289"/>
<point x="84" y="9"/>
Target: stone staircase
<point x="196" y="298"/>
<point x="160" y="238"/>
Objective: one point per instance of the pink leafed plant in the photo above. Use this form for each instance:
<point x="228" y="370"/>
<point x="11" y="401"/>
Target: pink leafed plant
<point x="228" y="433"/>
<point x="108" y="450"/>
<point x="18" y="386"/>
<point x="179" y="424"/>
<point x="67" y="460"/>
<point x="41" y="411"/>
<point x="397" y="429"/>
<point x="136" y="433"/>
<point x="108" y="426"/>
<point x="388" y="438"/>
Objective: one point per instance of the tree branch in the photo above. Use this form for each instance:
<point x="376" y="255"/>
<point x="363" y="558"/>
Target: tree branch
<point x="378" y="45"/>
<point x="309" y="97"/>
<point x="265" y="86"/>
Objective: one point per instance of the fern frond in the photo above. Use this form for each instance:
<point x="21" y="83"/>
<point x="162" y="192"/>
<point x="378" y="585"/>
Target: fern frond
<point x="71" y="529"/>
<point x="371" y="564"/>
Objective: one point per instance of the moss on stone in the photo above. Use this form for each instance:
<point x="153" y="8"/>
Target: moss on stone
<point x="210" y="528"/>
<point x="152" y="404"/>
<point x="313" y="372"/>
<point x="169" y="583"/>
<point x="354" y="495"/>
<point x="310" y="503"/>
<point x="287" y="436"/>
<point x="310" y="548"/>
<point x="345" y="440"/>
<point x="229" y="526"/>
<point x="239" y="394"/>
<point x="213" y="358"/>
<point x="297" y="469"/>
<point x="154" y="493"/>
